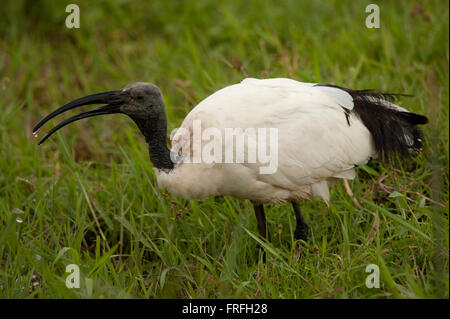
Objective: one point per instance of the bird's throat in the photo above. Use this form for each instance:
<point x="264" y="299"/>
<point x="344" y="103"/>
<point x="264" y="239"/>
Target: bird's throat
<point x="155" y="132"/>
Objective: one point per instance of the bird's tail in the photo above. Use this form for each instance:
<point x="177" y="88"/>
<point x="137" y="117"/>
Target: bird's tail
<point x="393" y="128"/>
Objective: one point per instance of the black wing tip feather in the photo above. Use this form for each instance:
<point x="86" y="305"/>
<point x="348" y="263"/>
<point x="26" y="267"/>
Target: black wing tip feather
<point x="415" y="118"/>
<point x="365" y="93"/>
<point x="393" y="131"/>
<point x="387" y="96"/>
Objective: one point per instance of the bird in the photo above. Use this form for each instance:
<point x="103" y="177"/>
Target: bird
<point x="321" y="134"/>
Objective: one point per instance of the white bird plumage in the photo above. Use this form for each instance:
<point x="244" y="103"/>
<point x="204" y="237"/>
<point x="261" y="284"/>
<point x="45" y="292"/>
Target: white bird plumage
<point x="315" y="143"/>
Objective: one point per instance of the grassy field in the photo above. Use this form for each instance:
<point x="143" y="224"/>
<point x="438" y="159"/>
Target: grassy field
<point x="88" y="196"/>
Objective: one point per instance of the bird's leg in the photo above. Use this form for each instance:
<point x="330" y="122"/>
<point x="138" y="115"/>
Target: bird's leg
<point x="301" y="230"/>
<point x="262" y="227"/>
<point x="261" y="220"/>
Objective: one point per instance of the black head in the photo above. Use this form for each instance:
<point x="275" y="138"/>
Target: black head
<point x="141" y="101"/>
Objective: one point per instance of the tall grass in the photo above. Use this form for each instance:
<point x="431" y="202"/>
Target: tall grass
<point x="88" y="196"/>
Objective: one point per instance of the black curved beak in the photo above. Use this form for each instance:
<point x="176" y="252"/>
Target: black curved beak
<point x="112" y="99"/>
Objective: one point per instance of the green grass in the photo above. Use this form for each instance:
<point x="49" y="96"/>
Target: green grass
<point x="88" y="195"/>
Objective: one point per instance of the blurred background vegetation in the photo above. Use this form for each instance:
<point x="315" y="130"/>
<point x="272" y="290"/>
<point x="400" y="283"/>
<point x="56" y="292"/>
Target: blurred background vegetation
<point x="92" y="188"/>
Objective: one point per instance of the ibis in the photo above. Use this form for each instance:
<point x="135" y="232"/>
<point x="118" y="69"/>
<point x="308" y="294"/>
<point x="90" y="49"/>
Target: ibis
<point x="315" y="134"/>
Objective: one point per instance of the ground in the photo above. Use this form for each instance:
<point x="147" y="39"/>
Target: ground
<point x="88" y="195"/>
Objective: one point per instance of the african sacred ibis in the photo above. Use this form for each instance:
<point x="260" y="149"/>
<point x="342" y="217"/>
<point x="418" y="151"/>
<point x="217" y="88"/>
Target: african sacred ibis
<point x="323" y="133"/>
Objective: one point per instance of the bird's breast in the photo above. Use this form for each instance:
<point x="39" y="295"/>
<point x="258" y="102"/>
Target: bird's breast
<point x="190" y="181"/>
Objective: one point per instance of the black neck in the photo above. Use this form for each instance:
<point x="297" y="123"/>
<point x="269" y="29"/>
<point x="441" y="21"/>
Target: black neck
<point x="155" y="132"/>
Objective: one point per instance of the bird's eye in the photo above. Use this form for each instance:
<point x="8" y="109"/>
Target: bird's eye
<point x="140" y="97"/>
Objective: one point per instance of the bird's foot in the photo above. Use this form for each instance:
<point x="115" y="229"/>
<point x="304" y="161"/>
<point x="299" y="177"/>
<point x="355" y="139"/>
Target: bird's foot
<point x="301" y="233"/>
